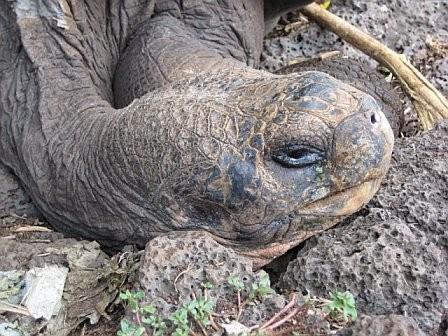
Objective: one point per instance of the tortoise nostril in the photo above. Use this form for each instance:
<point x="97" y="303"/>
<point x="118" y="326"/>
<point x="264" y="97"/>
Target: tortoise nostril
<point x="374" y="118"/>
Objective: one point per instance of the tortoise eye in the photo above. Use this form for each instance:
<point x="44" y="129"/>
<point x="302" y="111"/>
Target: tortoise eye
<point x="298" y="156"/>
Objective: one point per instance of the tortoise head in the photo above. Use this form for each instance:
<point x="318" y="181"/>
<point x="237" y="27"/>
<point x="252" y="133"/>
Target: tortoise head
<point x="294" y="155"/>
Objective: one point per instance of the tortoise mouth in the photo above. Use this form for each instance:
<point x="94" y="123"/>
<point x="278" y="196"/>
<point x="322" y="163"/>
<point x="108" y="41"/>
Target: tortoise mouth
<point x="343" y="202"/>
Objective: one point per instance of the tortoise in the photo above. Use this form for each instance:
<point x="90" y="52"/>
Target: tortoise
<point x="128" y="119"/>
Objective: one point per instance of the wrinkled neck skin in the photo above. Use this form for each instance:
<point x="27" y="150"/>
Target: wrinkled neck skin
<point x="184" y="40"/>
<point x="128" y="120"/>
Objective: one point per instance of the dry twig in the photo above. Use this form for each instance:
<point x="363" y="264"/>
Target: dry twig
<point x="179" y="275"/>
<point x="281" y="312"/>
<point x="12" y="308"/>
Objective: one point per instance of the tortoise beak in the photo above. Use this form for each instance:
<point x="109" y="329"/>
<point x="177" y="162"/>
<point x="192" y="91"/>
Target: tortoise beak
<point x="343" y="203"/>
<point x="361" y="153"/>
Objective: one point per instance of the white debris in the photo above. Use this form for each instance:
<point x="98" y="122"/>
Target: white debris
<point x="235" y="328"/>
<point x="44" y="288"/>
<point x="9" y="329"/>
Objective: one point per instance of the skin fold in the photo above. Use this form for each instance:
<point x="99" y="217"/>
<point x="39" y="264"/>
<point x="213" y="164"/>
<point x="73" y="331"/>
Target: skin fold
<point x="125" y="120"/>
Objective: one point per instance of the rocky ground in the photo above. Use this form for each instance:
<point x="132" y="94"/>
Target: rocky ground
<point x="392" y="255"/>
<point x="416" y="29"/>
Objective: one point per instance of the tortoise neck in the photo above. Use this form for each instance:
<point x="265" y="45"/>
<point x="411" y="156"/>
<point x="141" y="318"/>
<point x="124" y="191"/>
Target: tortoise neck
<point x="186" y="38"/>
<point x="232" y="28"/>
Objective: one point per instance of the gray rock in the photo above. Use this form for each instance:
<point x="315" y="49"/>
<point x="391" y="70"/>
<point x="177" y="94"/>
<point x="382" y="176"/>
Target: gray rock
<point x="393" y="257"/>
<point x="174" y="267"/>
<point x="409" y="27"/>
<point x="392" y="325"/>
<point x="417" y="29"/>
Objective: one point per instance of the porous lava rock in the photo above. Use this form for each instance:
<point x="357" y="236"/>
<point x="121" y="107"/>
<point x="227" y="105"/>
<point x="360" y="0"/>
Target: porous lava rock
<point x="381" y="325"/>
<point x="393" y="256"/>
<point x="416" y="29"/>
<point x="176" y="266"/>
<point x="419" y="30"/>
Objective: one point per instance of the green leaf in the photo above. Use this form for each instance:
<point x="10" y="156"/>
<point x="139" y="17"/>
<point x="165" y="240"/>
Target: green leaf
<point x="264" y="280"/>
<point x="149" y="309"/>
<point x="342" y="303"/>
<point x="262" y="288"/>
<point x="326" y="4"/>
<point x="139" y="295"/>
<point x="200" y="309"/>
<point x="133" y="305"/>
<point x="206" y="284"/>
<point x="149" y="320"/>
<point x="180" y="332"/>
<point x="124" y="295"/>
<point x="235" y="283"/>
<point x="180" y="317"/>
<point x="125" y="325"/>
<point x="139" y="331"/>
<point x="129" y="329"/>
<point x="160" y="331"/>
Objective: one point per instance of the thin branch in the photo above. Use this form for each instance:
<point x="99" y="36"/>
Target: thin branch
<point x="240" y="308"/>
<point x="12" y="308"/>
<point x="213" y="323"/>
<point x="283" y="320"/>
<point x="178" y="276"/>
<point x="290" y="304"/>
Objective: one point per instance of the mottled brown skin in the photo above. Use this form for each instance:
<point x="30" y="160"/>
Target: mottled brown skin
<point x="127" y="120"/>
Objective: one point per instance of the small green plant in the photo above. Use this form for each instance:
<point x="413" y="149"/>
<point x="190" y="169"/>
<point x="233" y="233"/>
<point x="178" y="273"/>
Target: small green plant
<point x="128" y="328"/>
<point x="198" y="309"/>
<point x="342" y="303"/>
<point x="235" y="283"/>
<point x="201" y="309"/>
<point x="206" y="285"/>
<point x="260" y="289"/>
<point x="180" y="322"/>
<point x="156" y="323"/>
<point x="143" y="315"/>
<point x="132" y="299"/>
<point x="326" y="4"/>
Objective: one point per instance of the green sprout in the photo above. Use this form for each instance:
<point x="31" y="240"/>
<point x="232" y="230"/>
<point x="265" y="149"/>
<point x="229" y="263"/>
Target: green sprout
<point x="326" y="4"/>
<point x="342" y="303"/>
<point x="206" y="285"/>
<point x="261" y="289"/>
<point x="235" y="283"/>
<point x="128" y="328"/>
<point x="143" y="315"/>
<point x="180" y="321"/>
<point x="201" y="309"/>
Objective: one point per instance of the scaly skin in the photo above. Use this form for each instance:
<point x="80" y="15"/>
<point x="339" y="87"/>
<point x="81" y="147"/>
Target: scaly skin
<point x="204" y="142"/>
